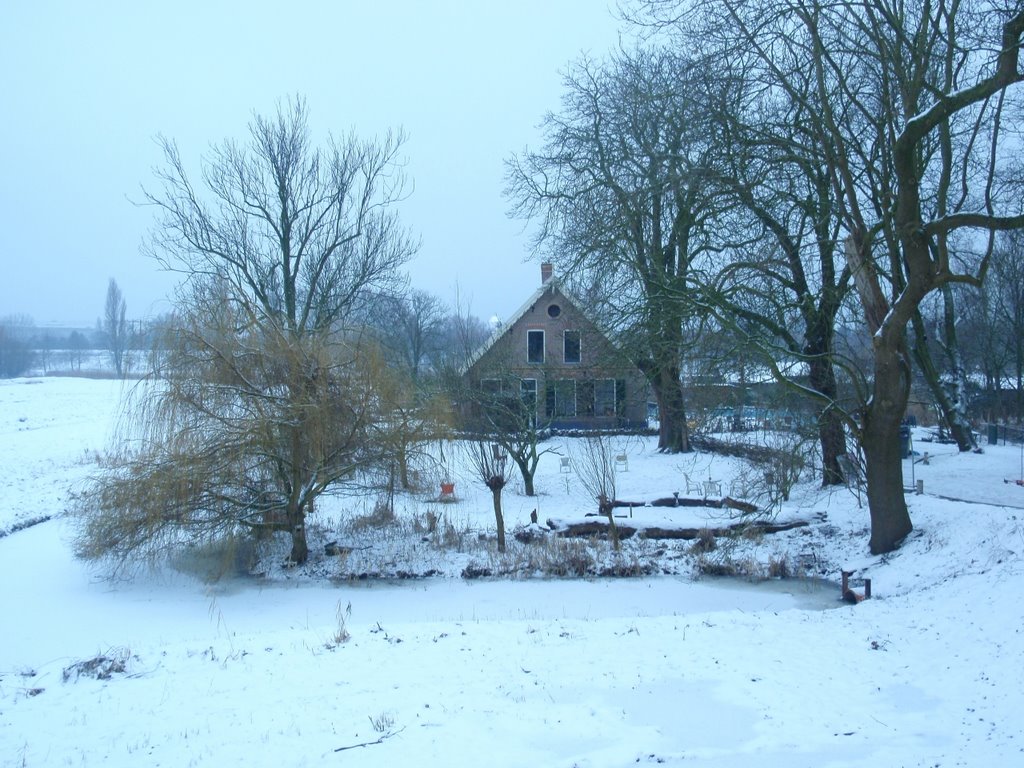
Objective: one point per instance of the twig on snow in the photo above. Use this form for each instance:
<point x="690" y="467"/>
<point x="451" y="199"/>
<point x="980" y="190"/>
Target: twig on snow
<point x="387" y="735"/>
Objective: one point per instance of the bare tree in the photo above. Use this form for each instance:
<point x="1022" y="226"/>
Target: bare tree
<point x="77" y="344"/>
<point x="268" y="394"/>
<point x="508" y="416"/>
<point x="15" y="351"/>
<point x="625" y="193"/>
<point x="461" y="334"/>
<point x="783" y="301"/>
<point x="420" y="321"/>
<point x="410" y="325"/>
<point x="594" y="461"/>
<point x="907" y="113"/>
<point x="115" y="327"/>
<point x="490" y="465"/>
<point x="1008" y="287"/>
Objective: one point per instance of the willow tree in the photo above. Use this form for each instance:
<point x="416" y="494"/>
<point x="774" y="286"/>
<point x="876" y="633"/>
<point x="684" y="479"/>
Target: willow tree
<point x="265" y="393"/>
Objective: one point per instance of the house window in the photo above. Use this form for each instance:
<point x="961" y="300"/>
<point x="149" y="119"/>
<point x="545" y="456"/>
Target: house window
<point x="528" y="392"/>
<point x="561" y="398"/>
<point x="571" y="346"/>
<point x="585" y="397"/>
<point x="604" y="397"/>
<point x="535" y="346"/>
<point x="554" y="311"/>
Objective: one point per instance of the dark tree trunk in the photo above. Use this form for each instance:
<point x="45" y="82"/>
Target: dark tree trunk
<point x="673" y="433"/>
<point x="528" y="485"/>
<point x="297" y="529"/>
<point x="295" y="513"/>
<point x="883" y="414"/>
<point x="527" y="473"/>
<point x="890" y="519"/>
<point x="832" y="436"/>
<point x="606" y="507"/>
<point x="499" y="518"/>
<point x="403" y="467"/>
<point x="831" y="431"/>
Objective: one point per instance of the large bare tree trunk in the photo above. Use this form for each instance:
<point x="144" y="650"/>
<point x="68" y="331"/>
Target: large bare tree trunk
<point x="673" y="432"/>
<point x="890" y="519"/>
<point x="883" y="414"/>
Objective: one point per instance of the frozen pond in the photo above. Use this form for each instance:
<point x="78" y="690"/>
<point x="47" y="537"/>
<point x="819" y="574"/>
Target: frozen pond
<point x="50" y="592"/>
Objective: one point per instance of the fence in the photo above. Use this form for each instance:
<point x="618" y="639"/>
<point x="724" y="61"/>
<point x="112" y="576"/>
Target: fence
<point x="1002" y="433"/>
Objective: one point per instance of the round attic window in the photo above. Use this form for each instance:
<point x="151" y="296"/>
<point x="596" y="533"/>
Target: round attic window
<point x="554" y="310"/>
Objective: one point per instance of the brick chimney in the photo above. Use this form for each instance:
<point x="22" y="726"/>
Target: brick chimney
<point x="546" y="270"/>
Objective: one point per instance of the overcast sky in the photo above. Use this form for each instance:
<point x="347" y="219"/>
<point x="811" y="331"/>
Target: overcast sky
<point x="85" y="88"/>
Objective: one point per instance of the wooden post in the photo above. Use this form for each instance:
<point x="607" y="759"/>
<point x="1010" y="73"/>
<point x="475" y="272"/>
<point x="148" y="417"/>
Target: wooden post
<point x="867" y="589"/>
<point x="920" y="487"/>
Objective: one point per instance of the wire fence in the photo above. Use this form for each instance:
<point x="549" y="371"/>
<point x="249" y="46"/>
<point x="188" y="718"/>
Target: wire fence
<point x="1002" y="434"/>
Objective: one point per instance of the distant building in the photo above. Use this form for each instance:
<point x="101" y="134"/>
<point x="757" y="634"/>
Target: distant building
<point x="558" y="366"/>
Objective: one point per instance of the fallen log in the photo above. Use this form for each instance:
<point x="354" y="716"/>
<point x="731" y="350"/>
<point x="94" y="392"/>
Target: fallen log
<point x="620" y="503"/>
<point x="739" y="505"/>
<point x="591" y="528"/>
<point x="691" y="501"/>
<point x="625" y="531"/>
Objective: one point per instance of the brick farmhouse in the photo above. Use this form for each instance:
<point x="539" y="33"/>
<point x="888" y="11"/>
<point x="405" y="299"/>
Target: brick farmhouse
<point x="567" y="373"/>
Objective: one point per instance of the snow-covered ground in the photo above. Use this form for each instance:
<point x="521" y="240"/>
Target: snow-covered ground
<point x="571" y="672"/>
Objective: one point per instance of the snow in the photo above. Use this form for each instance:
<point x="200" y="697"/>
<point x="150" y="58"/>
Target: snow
<point x="555" y="672"/>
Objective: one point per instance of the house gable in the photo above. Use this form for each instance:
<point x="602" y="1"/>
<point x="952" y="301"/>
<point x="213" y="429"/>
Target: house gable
<point x="552" y="349"/>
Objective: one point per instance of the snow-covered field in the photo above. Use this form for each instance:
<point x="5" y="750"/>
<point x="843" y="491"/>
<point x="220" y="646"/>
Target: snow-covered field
<point x="448" y="672"/>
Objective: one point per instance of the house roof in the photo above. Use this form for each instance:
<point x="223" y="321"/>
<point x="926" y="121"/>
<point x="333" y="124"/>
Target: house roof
<point x="552" y="286"/>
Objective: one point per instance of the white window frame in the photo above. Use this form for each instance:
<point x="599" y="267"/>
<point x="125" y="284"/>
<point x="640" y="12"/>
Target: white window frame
<point x="575" y="409"/>
<point x="528" y="387"/>
<point x="605" y="382"/>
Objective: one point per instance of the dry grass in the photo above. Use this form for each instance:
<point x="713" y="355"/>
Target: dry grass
<point x="382" y="516"/>
<point x="704" y="543"/>
<point x="102" y="667"/>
